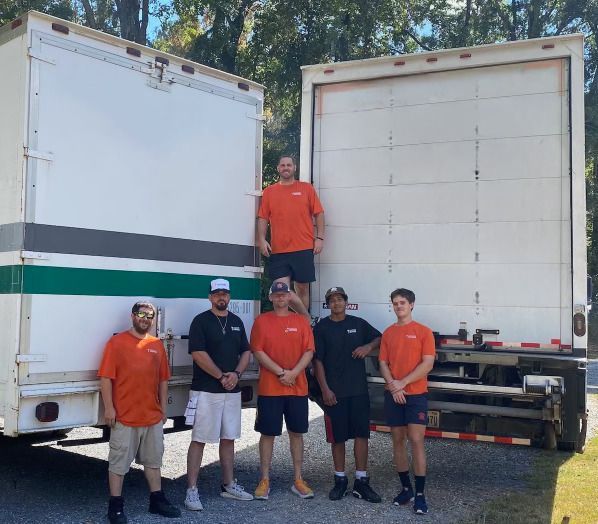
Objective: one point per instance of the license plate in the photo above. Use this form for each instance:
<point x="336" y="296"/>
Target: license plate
<point x="433" y="419"/>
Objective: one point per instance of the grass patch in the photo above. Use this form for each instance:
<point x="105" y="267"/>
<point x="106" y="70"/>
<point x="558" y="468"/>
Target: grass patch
<point x="561" y="490"/>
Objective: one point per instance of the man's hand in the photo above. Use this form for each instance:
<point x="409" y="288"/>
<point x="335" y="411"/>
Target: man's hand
<point x="164" y="418"/>
<point x="265" y="248"/>
<point x="110" y="416"/>
<point x="229" y="381"/>
<point x="329" y="397"/>
<point x="399" y="397"/>
<point x="396" y="385"/>
<point x="287" y="378"/>
<point x="318" y="246"/>
<point x="361" y="352"/>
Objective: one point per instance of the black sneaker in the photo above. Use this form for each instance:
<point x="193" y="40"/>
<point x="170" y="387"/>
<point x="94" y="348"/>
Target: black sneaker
<point x="404" y="497"/>
<point x="340" y="488"/>
<point x="420" y="506"/>
<point x="159" y="504"/>
<point x="362" y="490"/>
<point x="116" y="514"/>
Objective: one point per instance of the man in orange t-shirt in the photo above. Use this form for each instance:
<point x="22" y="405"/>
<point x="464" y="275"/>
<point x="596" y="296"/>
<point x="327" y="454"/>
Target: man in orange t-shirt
<point x="407" y="352"/>
<point x="283" y="344"/>
<point x="134" y="384"/>
<point x="289" y="206"/>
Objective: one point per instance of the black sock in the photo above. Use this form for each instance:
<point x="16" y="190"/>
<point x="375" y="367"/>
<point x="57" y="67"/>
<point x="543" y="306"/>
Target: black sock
<point x="404" y="476"/>
<point x="420" y="483"/>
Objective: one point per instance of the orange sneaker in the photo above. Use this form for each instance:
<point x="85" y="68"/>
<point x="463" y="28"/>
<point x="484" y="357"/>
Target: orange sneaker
<point x="263" y="490"/>
<point x="301" y="489"/>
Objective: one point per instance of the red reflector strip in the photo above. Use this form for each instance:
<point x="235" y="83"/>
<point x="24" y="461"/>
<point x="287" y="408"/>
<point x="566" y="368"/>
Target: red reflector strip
<point x="60" y="28"/>
<point x="433" y="59"/>
<point x="548" y="46"/>
<point x="16" y="23"/>
<point x="328" y="71"/>
<point x="565" y="346"/>
<point x="133" y="51"/>
<point x="188" y="69"/>
<point x="555" y="340"/>
<point x="400" y="63"/>
<point x="529" y="345"/>
<point x="465" y="55"/>
<point x="493" y="343"/>
<point x="464" y="436"/>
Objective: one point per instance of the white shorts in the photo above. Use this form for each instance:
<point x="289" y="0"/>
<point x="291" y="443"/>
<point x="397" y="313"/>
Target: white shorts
<point x="215" y="416"/>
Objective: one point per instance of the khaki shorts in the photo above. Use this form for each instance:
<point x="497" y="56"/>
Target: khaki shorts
<point x="145" y="444"/>
<point x="217" y="416"/>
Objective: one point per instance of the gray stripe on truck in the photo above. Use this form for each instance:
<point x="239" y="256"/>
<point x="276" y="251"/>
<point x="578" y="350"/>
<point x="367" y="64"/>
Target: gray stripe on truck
<point x="77" y="241"/>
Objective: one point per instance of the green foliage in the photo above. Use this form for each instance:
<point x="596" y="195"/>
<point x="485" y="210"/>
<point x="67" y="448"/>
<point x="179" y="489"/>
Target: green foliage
<point x="11" y="9"/>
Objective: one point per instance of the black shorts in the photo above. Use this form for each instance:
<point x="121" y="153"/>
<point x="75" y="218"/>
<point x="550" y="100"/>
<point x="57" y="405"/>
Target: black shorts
<point x="270" y="410"/>
<point x="349" y="418"/>
<point x="299" y="265"/>
<point x="414" y="412"/>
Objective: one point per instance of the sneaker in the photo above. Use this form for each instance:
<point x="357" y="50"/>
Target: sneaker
<point x="159" y="504"/>
<point x="301" y="489"/>
<point x="340" y="488"/>
<point x="234" y="491"/>
<point x="192" y="502"/>
<point x="420" y="506"/>
<point x="263" y="490"/>
<point x="116" y="514"/>
<point x="404" y="497"/>
<point x="362" y="490"/>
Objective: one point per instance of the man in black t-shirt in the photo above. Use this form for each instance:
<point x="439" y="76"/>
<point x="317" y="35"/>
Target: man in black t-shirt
<point x="342" y="343"/>
<point x="220" y="350"/>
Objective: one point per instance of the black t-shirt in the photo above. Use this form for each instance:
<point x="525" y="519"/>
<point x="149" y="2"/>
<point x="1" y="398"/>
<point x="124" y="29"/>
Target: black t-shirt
<point x="205" y="334"/>
<point x="335" y="341"/>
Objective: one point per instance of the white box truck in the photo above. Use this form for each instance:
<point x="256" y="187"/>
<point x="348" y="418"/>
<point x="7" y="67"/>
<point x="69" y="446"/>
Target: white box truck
<point x="459" y="174"/>
<point x="125" y="174"/>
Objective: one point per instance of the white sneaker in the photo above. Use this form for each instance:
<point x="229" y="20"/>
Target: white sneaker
<point x="234" y="491"/>
<point x="192" y="501"/>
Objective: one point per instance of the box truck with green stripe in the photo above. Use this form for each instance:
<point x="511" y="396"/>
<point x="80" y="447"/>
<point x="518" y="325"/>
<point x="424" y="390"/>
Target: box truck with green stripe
<point x="125" y="174"/>
<point x="460" y="174"/>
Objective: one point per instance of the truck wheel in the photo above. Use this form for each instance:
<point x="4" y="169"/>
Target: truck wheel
<point x="566" y="445"/>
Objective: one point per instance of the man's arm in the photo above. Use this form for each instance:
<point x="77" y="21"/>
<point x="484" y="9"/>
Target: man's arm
<point x="328" y="395"/>
<point x="366" y="349"/>
<point x="421" y="371"/>
<point x="163" y="397"/>
<point x="109" y="411"/>
<point x="319" y="240"/>
<point x="231" y="379"/>
<point x="397" y="394"/>
<point x="266" y="362"/>
<point x="262" y="243"/>
<point x="288" y="379"/>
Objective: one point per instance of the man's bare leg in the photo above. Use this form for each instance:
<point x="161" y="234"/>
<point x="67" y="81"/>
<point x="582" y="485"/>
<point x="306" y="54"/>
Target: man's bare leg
<point x="302" y="291"/>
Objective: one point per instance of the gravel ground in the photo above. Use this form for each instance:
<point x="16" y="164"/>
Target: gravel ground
<point x="47" y="481"/>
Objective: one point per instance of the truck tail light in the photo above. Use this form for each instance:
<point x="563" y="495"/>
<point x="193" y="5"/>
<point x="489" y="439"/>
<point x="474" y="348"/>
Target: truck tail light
<point x="579" y="324"/>
<point x="47" y="411"/>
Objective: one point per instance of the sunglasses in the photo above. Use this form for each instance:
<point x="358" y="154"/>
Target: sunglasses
<point x="143" y="314"/>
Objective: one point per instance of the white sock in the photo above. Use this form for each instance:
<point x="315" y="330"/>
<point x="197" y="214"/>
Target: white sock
<point x="340" y="474"/>
<point x="361" y="474"/>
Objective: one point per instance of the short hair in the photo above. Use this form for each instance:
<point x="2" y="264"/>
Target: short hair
<point x="143" y="303"/>
<point x="285" y="155"/>
<point x="405" y="293"/>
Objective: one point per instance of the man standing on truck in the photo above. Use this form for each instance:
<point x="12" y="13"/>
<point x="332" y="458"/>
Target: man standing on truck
<point x="407" y="354"/>
<point x="134" y="384"/>
<point x="283" y="344"/>
<point x="289" y="206"/>
<point x="220" y="351"/>
<point x="342" y="343"/>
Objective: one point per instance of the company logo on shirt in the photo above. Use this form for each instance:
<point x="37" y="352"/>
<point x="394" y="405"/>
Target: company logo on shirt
<point x="411" y="336"/>
<point x="350" y="307"/>
<point x="351" y="331"/>
<point x="149" y="350"/>
<point x="296" y="193"/>
<point x="290" y="330"/>
<point x="235" y="328"/>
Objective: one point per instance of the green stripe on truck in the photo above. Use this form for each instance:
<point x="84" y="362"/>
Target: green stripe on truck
<point x="47" y="280"/>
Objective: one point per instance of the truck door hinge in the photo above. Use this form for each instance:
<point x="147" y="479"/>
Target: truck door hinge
<point x="253" y="116"/>
<point x="41" y="155"/>
<point x="254" y="192"/>
<point x="33" y="255"/>
<point x="31" y="358"/>
<point x="253" y="269"/>
<point x="41" y="58"/>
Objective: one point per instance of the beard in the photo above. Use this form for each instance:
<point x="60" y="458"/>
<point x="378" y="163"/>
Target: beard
<point x="221" y="306"/>
<point x="141" y="329"/>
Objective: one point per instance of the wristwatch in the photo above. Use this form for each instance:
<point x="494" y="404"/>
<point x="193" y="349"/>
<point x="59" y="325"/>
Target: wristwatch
<point x="281" y="373"/>
<point x="238" y="374"/>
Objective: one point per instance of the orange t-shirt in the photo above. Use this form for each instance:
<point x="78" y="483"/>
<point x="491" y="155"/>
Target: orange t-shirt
<point x="284" y="340"/>
<point x="290" y="210"/>
<point x="402" y="348"/>
<point x="136" y="367"/>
